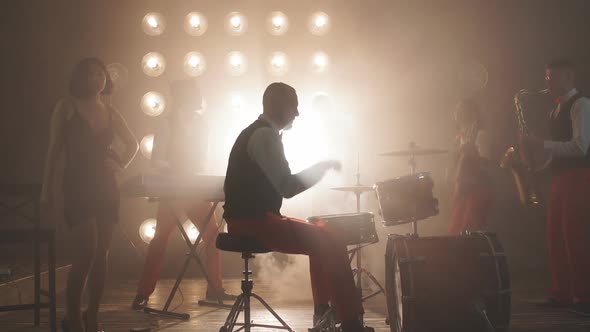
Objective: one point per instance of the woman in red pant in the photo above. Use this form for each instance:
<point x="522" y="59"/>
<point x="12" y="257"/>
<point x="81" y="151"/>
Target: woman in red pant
<point x="180" y="149"/>
<point x="473" y="195"/>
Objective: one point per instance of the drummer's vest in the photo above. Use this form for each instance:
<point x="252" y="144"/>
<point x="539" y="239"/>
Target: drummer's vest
<point x="248" y="192"/>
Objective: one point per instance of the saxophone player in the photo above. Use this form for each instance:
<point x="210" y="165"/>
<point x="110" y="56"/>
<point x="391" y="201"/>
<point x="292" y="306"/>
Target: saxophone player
<point x="473" y="195"/>
<point x="568" y="224"/>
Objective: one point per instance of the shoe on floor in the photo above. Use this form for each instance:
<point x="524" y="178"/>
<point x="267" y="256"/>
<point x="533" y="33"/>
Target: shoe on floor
<point x="139" y="302"/>
<point x="581" y="308"/>
<point x="219" y="295"/>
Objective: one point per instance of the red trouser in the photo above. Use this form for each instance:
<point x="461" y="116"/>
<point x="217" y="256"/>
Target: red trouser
<point x="331" y="276"/>
<point x="568" y="236"/>
<point x="471" y="210"/>
<point x="167" y="215"/>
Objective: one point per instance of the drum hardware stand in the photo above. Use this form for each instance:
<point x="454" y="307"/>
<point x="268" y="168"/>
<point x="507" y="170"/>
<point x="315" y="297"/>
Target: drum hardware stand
<point x="359" y="270"/>
<point x="326" y="322"/>
<point x="412" y="163"/>
<point x="192" y="254"/>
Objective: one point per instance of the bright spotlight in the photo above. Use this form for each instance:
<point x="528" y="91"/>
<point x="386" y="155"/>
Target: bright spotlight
<point x="319" y="24"/>
<point x="153" y="103"/>
<point x="236" y="23"/>
<point x="277" y="23"/>
<point x="194" y="64"/>
<point x="190" y="230"/>
<point x="147" y="230"/>
<point x="195" y="24"/>
<point x="278" y="64"/>
<point x="236" y="63"/>
<point x="146" y="146"/>
<point x="153" y="64"/>
<point x="153" y="24"/>
<point x="320" y="62"/>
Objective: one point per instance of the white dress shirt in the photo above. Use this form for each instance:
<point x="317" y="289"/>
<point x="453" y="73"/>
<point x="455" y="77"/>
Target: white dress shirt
<point x="580" y="114"/>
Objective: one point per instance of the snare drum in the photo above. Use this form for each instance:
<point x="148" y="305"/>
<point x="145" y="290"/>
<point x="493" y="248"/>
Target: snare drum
<point x="357" y="228"/>
<point x="406" y="198"/>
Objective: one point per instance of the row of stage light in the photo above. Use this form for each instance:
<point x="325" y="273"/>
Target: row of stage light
<point x="194" y="63"/>
<point x="236" y="24"/>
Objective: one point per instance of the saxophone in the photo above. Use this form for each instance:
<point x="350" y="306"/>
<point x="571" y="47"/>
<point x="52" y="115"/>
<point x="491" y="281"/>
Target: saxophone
<point x="520" y="169"/>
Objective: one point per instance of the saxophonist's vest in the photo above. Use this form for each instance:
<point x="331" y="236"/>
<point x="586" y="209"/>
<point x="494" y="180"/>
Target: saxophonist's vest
<point x="561" y="131"/>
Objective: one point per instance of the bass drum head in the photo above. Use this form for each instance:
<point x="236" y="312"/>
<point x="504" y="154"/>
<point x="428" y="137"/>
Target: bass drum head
<point x="446" y="283"/>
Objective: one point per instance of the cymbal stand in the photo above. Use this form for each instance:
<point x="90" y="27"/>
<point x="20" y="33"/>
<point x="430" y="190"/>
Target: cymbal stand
<point x="359" y="270"/>
<point x="412" y="164"/>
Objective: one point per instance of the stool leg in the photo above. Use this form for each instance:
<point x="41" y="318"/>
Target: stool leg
<point x="271" y="310"/>
<point x="233" y="315"/>
<point x="235" y="320"/>
<point x="243" y="302"/>
<point x="247" y="290"/>
<point x="247" y="322"/>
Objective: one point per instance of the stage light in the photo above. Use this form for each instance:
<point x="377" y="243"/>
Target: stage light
<point x="236" y="63"/>
<point x="194" y="64"/>
<point x="277" y="23"/>
<point x="320" y="62"/>
<point x="147" y="230"/>
<point x="319" y="24"/>
<point x="153" y="24"/>
<point x="153" y="103"/>
<point x="195" y="24"/>
<point x="191" y="230"/>
<point x="278" y="64"/>
<point x="146" y="146"/>
<point x="236" y="23"/>
<point x="153" y="64"/>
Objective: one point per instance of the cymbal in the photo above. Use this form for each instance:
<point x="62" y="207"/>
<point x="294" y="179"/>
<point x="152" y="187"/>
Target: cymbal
<point x="359" y="188"/>
<point x="414" y="151"/>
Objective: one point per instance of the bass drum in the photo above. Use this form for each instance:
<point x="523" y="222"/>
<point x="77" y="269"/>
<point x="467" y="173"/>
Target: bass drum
<point x="447" y="283"/>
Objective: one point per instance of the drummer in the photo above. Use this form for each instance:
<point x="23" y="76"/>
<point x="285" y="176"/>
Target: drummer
<point x="258" y="178"/>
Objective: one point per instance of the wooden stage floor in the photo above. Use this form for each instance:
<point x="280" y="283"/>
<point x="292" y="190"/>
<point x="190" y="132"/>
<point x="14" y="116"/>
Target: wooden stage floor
<point x="118" y="316"/>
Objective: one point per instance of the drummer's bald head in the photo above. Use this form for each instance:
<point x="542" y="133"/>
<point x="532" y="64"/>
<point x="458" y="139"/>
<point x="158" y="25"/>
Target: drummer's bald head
<point x="278" y="96"/>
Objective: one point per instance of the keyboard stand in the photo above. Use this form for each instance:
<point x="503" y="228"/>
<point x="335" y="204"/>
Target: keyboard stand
<point x="192" y="254"/>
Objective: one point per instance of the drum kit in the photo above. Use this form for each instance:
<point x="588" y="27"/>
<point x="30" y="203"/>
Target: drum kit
<point x="440" y="283"/>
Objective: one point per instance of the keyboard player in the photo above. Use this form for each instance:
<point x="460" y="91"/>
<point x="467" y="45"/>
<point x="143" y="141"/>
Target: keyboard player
<point x="179" y="148"/>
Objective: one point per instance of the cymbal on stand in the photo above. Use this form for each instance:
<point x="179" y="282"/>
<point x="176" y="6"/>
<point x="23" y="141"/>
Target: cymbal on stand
<point x="359" y="188"/>
<point x="416" y="151"/>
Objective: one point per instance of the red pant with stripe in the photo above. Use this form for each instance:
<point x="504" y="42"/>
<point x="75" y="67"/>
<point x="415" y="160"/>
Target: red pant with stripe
<point x="568" y="235"/>
<point x="167" y="214"/>
<point x="471" y="210"/>
<point x="331" y="275"/>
